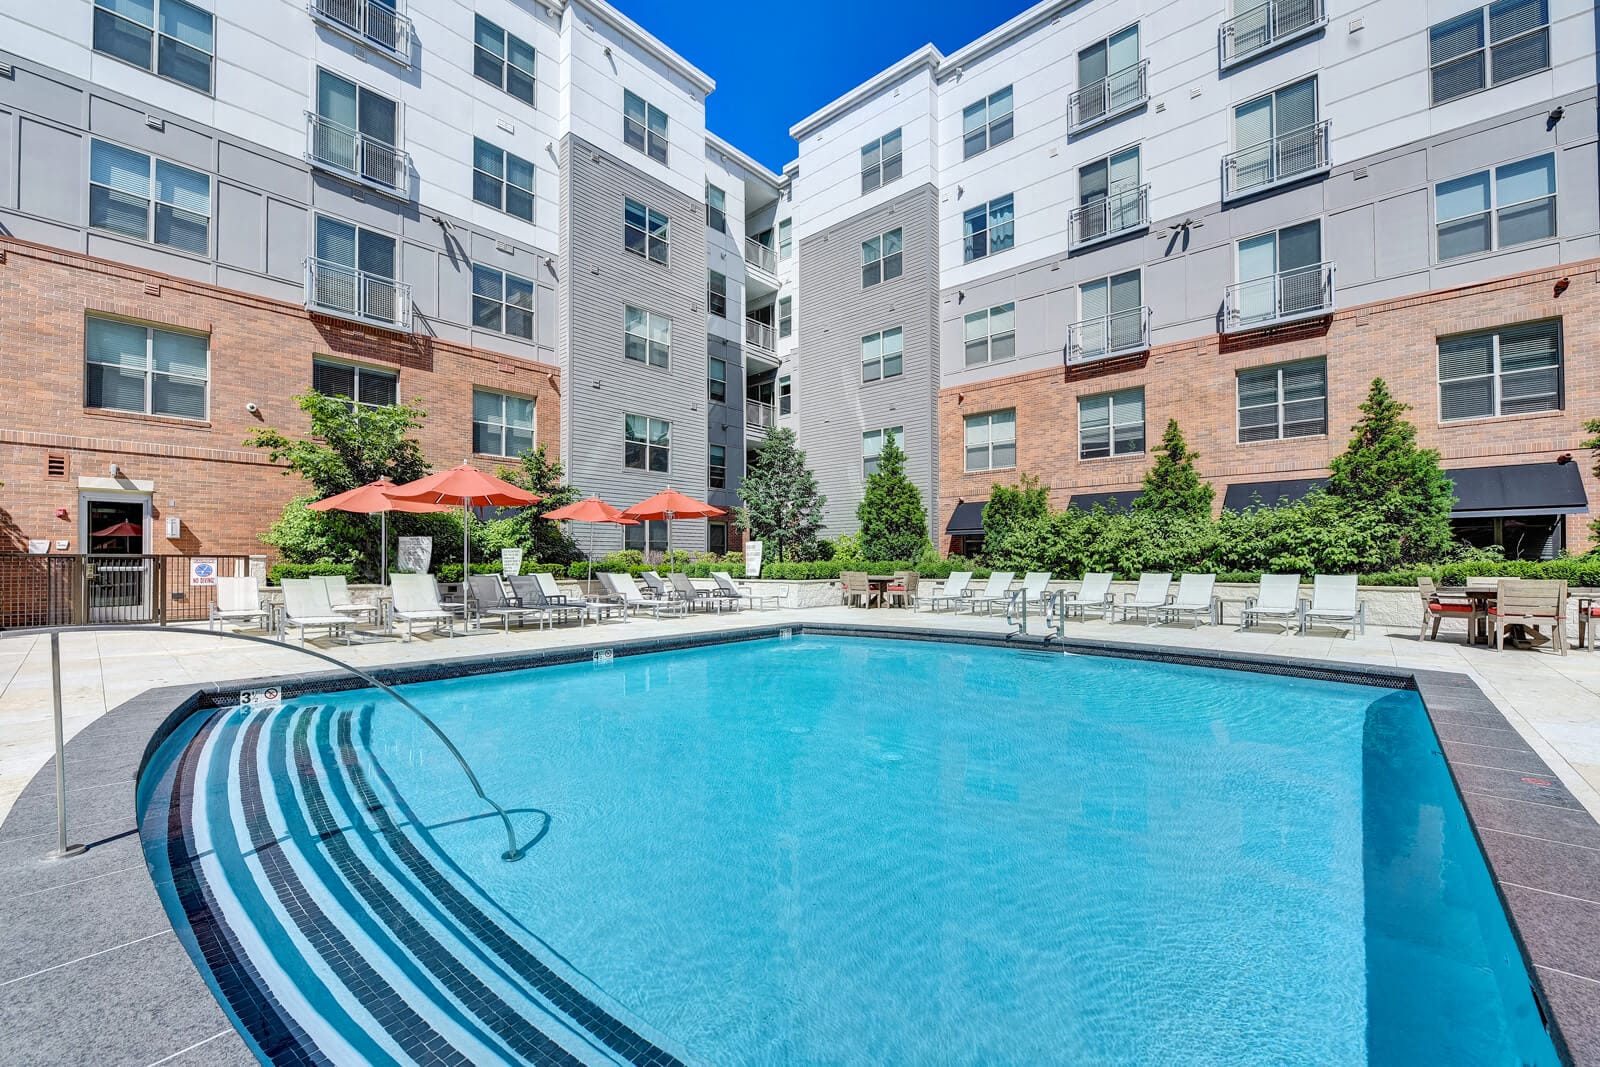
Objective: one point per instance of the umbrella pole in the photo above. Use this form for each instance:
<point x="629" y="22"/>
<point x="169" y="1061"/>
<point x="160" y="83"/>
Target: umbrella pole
<point x="383" y="550"/>
<point x="466" y="566"/>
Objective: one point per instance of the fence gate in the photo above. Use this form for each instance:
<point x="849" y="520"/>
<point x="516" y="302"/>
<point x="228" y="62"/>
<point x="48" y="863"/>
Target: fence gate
<point x="63" y="590"/>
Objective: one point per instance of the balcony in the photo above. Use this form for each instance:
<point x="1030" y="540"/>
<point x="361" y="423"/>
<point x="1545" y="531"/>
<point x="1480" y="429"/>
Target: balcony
<point x="342" y="150"/>
<point x="1115" y="94"/>
<point x="1113" y="216"/>
<point x="1267" y="26"/>
<point x="1283" y="159"/>
<point x="335" y="289"/>
<point x="757" y="415"/>
<point x="760" y="256"/>
<point x="1121" y="333"/>
<point x="758" y="334"/>
<point x="367" y="22"/>
<point x="1278" y="299"/>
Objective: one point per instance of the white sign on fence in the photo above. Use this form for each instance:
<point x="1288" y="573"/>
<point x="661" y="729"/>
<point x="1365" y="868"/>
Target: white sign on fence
<point x="752" y="559"/>
<point x="202" y="572"/>
<point x="415" y="554"/>
<point x="510" y="562"/>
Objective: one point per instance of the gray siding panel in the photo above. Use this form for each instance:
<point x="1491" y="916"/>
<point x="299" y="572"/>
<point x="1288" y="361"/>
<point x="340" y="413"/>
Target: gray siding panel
<point x="288" y="240"/>
<point x="8" y="156"/>
<point x="240" y="225"/>
<point x="174" y="142"/>
<point x="46" y="156"/>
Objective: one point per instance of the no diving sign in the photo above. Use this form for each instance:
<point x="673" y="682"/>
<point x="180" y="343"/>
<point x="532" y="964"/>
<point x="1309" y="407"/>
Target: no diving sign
<point x="202" y="572"/>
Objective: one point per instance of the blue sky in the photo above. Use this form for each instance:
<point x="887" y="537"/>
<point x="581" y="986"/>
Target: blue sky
<point x="777" y="61"/>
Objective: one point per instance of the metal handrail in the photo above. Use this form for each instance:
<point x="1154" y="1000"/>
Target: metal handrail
<point x="341" y="290"/>
<point x="1269" y="23"/>
<point x="1286" y="296"/>
<point x="1118" y="213"/>
<point x="368" y="21"/>
<point x="1109" y="335"/>
<point x="759" y="334"/>
<point x="1276" y="160"/>
<point x="336" y="147"/>
<point x="1118" y="92"/>
<point x="759" y="255"/>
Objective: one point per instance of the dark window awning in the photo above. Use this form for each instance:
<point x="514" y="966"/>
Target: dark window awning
<point x="967" y="520"/>
<point x="1242" y="495"/>
<point x="1116" y="502"/>
<point x="1519" y="489"/>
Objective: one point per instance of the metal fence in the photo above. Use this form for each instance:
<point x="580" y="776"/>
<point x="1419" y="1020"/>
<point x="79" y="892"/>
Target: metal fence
<point x="62" y="590"/>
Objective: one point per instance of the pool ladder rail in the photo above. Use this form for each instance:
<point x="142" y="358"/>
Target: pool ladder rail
<point x="1017" y="614"/>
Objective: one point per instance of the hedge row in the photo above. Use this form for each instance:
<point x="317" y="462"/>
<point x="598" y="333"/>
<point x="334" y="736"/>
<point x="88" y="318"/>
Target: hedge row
<point x="279" y="571"/>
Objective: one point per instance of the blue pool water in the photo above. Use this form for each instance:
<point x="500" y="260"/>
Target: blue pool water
<point x="844" y="851"/>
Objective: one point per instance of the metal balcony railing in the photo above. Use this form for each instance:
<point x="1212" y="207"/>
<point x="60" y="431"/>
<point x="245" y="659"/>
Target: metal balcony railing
<point x="1284" y="158"/>
<point x="757" y="415"/>
<point x="336" y="147"/>
<point x="759" y="255"/>
<point x="368" y="22"/>
<point x="1120" y="213"/>
<point x="1118" y="334"/>
<point x="1288" y="296"/>
<point x="1267" y="25"/>
<point x="759" y="334"/>
<point x="1113" y="95"/>
<point x="339" y="290"/>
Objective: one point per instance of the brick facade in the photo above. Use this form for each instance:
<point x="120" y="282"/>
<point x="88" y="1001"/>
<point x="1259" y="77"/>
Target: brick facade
<point x="225" y="493"/>
<point x="1193" y="381"/>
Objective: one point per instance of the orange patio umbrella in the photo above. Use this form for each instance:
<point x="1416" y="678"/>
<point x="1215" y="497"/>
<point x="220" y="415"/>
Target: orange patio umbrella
<point x="670" y="504"/>
<point x="591" y="510"/>
<point x="374" y="498"/>
<point x="468" y="486"/>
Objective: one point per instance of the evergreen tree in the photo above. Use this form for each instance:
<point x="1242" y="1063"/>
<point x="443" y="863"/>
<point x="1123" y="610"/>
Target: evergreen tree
<point x="782" y="507"/>
<point x="1011" y="511"/>
<point x="1398" y="491"/>
<point x="1593" y="445"/>
<point x="894" y="524"/>
<point x="1172" y="487"/>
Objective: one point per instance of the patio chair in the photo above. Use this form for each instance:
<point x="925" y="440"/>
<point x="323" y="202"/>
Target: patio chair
<point x="1436" y="609"/>
<point x="857" y="589"/>
<point x="952" y="593"/>
<point x="1531" y="603"/>
<point x="902" y="589"/>
<point x="1196" y="597"/>
<point x="726" y="587"/>
<point x="416" y="599"/>
<point x="654" y="586"/>
<point x="306" y="607"/>
<point x="597" y="609"/>
<point x="238" y="600"/>
<point x="1093" y="594"/>
<point x="1334" y="598"/>
<point x="691" y="594"/>
<point x="1277" y="600"/>
<point x="533" y="599"/>
<point x="1155" y="591"/>
<point x="626" y="591"/>
<point x="489" y="595"/>
<point x="340" y="600"/>
<point x="996" y="590"/>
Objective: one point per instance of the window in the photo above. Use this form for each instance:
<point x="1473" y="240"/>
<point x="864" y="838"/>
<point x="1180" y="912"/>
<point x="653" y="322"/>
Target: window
<point x="361" y="386"/>
<point x="988" y="228"/>
<point x="880" y="161"/>
<point x="354" y="272"/>
<point x="169" y="37"/>
<point x="716" y="209"/>
<point x="125" y="185"/>
<point x="717" y="467"/>
<point x="1109" y="196"/>
<point x="1283" y="401"/>
<point x="1277" y="137"/>
<point x="648" y="336"/>
<point x="1518" y="35"/>
<point x="717" y="538"/>
<point x="881" y="355"/>
<point x="1112" y="312"/>
<point x="717" y="294"/>
<point x="648" y="536"/>
<point x="872" y="447"/>
<point x="146" y="371"/>
<point x="646" y="443"/>
<point x="502" y="425"/>
<point x="502" y="180"/>
<point x="644" y="126"/>
<point x="717" y="380"/>
<point x="991" y="335"/>
<point x="785" y="238"/>
<point x="503" y="60"/>
<point x="645" y="231"/>
<point x="1111" y="424"/>
<point x="986" y="123"/>
<point x="502" y="302"/>
<point x="1281" y="275"/>
<point x="785" y="395"/>
<point x="1511" y="205"/>
<point x="991" y="441"/>
<point x="1109" y="78"/>
<point x="880" y="258"/>
<point x="357" y="131"/>
<point x="785" y="316"/>
<point x="1509" y="371"/>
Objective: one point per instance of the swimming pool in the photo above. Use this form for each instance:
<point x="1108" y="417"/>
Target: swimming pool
<point x="842" y="850"/>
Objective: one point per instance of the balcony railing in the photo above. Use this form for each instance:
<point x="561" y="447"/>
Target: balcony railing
<point x="1266" y="26"/>
<point x="759" y="334"/>
<point x="1121" y="333"/>
<point x="1288" y="296"/>
<point x="1113" y="95"/>
<point x="757" y="415"/>
<point x="338" y="148"/>
<point x="339" y="290"/>
<point x="759" y="255"/>
<point x="367" y="22"/>
<point x="1284" y="158"/>
<point x="1111" y="216"/>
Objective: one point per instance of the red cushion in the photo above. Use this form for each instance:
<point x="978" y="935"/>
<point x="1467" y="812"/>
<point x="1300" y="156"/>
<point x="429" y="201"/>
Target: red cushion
<point x="1450" y="608"/>
<point x="1496" y="611"/>
<point x="894" y="589"/>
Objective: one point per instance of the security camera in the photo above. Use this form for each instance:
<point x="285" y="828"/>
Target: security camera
<point x="251" y="408"/>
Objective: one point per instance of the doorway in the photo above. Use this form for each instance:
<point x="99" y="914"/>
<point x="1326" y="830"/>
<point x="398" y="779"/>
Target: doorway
<point x="115" y="532"/>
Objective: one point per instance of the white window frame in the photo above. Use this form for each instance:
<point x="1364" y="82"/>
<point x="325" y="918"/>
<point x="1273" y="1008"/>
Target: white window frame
<point x="152" y="201"/>
<point x="785" y="395"/>
<point x="651" y="536"/>
<point x="149" y="370"/>
<point x="970" y="422"/>
<point x="101" y="9"/>
<point x="645" y="132"/>
<point x="1485" y="51"/>
<point x="717" y="293"/>
<point x="504" y="424"/>
<point x="987" y="207"/>
<point x="990" y="120"/>
<point x="987" y="316"/>
<point x="716" y="214"/>
<point x="872" y="447"/>
<point x="1495" y="207"/>
<point x="785" y="316"/>
<point x="872" y="174"/>
<point x="656" y="232"/>
<point x="1278" y="402"/>
<point x="876" y="260"/>
<point x="713" y="467"/>
<point x="879" y="361"/>
<point x="650" y="318"/>
<point x="713" y="380"/>
<point x="503" y="182"/>
<point x="503" y="301"/>
<point x="785" y="238"/>
<point x="504" y="61"/>
<point x="1497" y="374"/>
<point x="1112" y="425"/>
<point x="648" y="445"/>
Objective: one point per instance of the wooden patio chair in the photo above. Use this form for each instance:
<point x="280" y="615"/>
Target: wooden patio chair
<point x="1524" y="602"/>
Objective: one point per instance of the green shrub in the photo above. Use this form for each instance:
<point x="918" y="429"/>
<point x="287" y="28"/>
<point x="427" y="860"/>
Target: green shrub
<point x="279" y="571"/>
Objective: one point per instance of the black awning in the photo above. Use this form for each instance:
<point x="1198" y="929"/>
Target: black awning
<point x="1122" y="501"/>
<point x="1242" y="495"/>
<point x="1519" y="489"/>
<point x="967" y="520"/>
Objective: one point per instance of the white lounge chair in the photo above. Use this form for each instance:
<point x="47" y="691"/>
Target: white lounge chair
<point x="306" y="607"/>
<point x="1035" y="587"/>
<point x="952" y="593"/>
<point x="596" y="609"/>
<point x="1277" y="600"/>
<point x="342" y="602"/>
<point x="726" y="586"/>
<point x="1154" y="592"/>
<point x="416" y="599"/>
<point x="1334" y="598"/>
<point x="1093" y="594"/>
<point x="238" y="600"/>
<point x="1195" y="598"/>
<point x="997" y="590"/>
<point x="626" y="591"/>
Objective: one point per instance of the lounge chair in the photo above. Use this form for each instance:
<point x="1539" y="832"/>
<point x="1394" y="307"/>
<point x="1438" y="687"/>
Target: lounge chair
<point x="1195" y="598"/>
<point x="1277" y="600"/>
<point x="694" y="596"/>
<point x="534" y="600"/>
<point x="626" y="592"/>
<point x="597" y="609"/>
<point x="902" y="589"/>
<point x="726" y="586"/>
<point x="306" y="607"/>
<point x="237" y="600"/>
<point x="996" y="590"/>
<point x="489" y="596"/>
<point x="1034" y="593"/>
<point x="342" y="602"/>
<point x="1436" y="608"/>
<point x="857" y="589"/>
<point x="654" y="586"/>
<point x="1093" y="594"/>
<point x="1154" y="592"/>
<point x="1334" y="598"/>
<point x="953" y="592"/>
<point x="1530" y="603"/>
<point x="416" y="599"/>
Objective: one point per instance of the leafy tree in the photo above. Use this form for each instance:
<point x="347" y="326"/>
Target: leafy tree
<point x="1593" y="445"/>
<point x="1172" y="486"/>
<point x="1011" y="510"/>
<point x="1397" y="491"/>
<point x="894" y="524"/>
<point x="542" y="539"/>
<point x="782" y="504"/>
